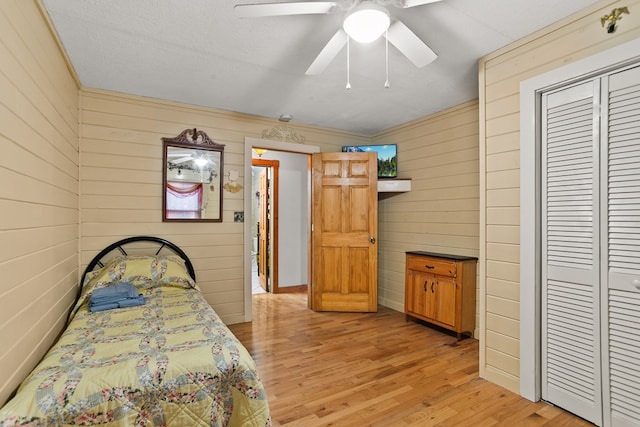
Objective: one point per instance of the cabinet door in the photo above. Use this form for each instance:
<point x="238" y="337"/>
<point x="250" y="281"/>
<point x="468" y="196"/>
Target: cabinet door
<point x="419" y="283"/>
<point x="442" y="300"/>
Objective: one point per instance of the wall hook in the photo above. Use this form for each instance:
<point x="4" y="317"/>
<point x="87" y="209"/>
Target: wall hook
<point x="609" y="21"/>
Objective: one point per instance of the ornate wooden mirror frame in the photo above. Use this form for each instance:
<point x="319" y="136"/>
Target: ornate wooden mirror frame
<point x="192" y="178"/>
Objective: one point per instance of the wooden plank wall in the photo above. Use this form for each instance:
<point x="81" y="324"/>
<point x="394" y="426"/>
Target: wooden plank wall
<point x="39" y="191"/>
<point x="501" y="72"/>
<point x="121" y="183"/>
<point x="440" y="213"/>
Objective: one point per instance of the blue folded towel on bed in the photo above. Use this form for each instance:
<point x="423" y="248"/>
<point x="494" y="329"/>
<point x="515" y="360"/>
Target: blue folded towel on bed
<point x="113" y="293"/>
<point x="115" y="296"/>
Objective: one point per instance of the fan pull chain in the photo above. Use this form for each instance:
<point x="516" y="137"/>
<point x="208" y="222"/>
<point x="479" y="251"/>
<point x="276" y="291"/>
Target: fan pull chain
<point x="386" y="59"/>
<point x="348" y="82"/>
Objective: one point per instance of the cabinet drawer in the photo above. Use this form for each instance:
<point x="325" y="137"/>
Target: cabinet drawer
<point x="432" y="265"/>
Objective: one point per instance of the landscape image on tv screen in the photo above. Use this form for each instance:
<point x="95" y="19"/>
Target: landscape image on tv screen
<point x="387" y="157"/>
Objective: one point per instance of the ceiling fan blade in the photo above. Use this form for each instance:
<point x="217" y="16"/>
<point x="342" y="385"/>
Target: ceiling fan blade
<point x="279" y="9"/>
<point x="327" y="53"/>
<point x="182" y="160"/>
<point x="410" y="45"/>
<point x="412" y="3"/>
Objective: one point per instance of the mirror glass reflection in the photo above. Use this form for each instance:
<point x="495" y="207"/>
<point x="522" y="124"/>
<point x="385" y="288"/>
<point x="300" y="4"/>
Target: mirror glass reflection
<point x="192" y="182"/>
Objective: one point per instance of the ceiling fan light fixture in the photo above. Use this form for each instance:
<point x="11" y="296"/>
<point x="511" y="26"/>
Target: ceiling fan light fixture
<point x="366" y="22"/>
<point x="200" y="161"/>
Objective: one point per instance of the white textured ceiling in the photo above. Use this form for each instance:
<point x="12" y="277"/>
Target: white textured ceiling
<point x="198" y="52"/>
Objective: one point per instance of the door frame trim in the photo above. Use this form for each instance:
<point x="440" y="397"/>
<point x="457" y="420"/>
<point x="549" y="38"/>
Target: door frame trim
<point x="249" y="144"/>
<point x="530" y="233"/>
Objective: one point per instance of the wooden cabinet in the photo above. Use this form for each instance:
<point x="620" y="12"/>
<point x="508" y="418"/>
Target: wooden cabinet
<point x="441" y="289"/>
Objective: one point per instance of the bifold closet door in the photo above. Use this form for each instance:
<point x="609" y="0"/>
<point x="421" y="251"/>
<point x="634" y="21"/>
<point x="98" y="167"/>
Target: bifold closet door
<point x="620" y="160"/>
<point x="571" y="362"/>
<point x="591" y="248"/>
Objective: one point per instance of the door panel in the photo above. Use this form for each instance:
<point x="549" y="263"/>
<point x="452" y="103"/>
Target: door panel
<point x="358" y="269"/>
<point x="621" y="243"/>
<point x="571" y="376"/>
<point x="345" y="227"/>
<point x="263" y="231"/>
<point x="331" y="265"/>
<point x="359" y="197"/>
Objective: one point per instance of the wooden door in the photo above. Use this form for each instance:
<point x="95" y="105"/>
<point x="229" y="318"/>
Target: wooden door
<point x="344" y="232"/>
<point x="263" y="231"/>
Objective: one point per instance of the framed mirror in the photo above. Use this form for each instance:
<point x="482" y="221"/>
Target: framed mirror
<point x="192" y="178"/>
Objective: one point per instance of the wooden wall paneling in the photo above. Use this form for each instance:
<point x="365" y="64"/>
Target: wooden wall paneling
<point x="20" y="273"/>
<point x="39" y="200"/>
<point x="510" y="344"/>
<point x="503" y="143"/>
<point x="506" y="307"/>
<point x="36" y="58"/>
<point x="505" y="252"/>
<point x="440" y="214"/>
<point x="32" y="240"/>
<point x="506" y="362"/>
<point x="503" y="178"/>
<point x="503" y="288"/>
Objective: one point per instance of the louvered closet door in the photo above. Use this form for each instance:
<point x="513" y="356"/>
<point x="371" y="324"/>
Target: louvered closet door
<point x="621" y="244"/>
<point x="570" y="246"/>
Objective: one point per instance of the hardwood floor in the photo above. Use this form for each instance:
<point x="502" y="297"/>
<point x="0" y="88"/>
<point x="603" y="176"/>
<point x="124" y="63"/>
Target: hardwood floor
<point x="375" y="369"/>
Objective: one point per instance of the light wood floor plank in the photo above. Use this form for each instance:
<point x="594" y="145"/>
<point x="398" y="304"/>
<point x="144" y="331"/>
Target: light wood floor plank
<point x="375" y="369"/>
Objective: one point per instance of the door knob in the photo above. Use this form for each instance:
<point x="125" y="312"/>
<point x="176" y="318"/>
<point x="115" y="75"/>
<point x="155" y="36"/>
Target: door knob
<point x="636" y="283"/>
<point x="372" y="239"/>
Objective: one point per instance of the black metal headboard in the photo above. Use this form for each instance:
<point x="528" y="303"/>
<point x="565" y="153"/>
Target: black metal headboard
<point x="98" y="260"/>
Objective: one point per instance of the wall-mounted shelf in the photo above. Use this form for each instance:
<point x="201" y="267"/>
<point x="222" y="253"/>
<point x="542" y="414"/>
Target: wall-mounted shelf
<point x="391" y="187"/>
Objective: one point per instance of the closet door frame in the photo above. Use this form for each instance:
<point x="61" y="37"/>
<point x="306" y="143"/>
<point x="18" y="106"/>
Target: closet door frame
<point x="530" y="203"/>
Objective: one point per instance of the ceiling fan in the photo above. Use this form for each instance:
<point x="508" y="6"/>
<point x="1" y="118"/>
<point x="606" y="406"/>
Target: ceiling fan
<point x="368" y="15"/>
<point x="199" y="158"/>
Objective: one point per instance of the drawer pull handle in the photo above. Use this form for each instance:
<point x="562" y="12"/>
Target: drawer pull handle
<point x="432" y="284"/>
<point x="429" y="267"/>
<point x="424" y="286"/>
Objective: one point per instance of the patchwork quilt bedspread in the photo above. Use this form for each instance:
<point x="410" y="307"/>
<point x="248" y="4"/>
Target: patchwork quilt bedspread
<point x="169" y="362"/>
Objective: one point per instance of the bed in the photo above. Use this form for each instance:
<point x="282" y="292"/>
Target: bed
<point x="168" y="362"/>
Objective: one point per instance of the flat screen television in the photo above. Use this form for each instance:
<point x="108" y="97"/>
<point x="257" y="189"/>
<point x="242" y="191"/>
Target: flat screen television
<point x="387" y="157"/>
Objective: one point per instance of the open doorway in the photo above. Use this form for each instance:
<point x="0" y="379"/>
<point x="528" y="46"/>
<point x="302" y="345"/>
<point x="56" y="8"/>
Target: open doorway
<point x="291" y="182"/>
<point x="280" y="213"/>
<point x="264" y="225"/>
